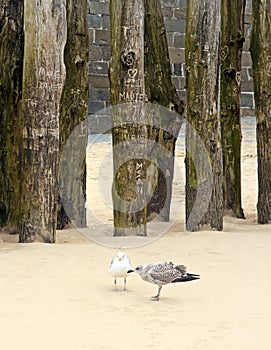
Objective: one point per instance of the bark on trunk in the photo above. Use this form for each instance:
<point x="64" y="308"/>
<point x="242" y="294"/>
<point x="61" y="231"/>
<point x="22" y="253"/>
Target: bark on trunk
<point x="73" y="117"/>
<point x="129" y="125"/>
<point x="140" y="73"/>
<point x="11" y="63"/>
<point x="232" y="39"/>
<point x="204" y="195"/>
<point x="261" y="64"/>
<point x="160" y="90"/>
<point x="43" y="79"/>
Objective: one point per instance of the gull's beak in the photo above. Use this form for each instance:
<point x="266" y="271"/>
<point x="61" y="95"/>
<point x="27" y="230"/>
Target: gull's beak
<point x="119" y="259"/>
<point x="129" y="271"/>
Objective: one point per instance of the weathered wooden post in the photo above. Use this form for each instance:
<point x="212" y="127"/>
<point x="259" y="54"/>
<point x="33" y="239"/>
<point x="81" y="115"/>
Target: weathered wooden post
<point x="129" y="125"/>
<point x="140" y="78"/>
<point x="11" y="68"/>
<point x="43" y="80"/>
<point x="232" y="39"/>
<point x="203" y="114"/>
<point x="261" y="64"/>
<point x="73" y="117"/>
<point x="166" y="123"/>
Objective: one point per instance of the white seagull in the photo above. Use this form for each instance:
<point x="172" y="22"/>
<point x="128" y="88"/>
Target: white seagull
<point x="120" y="268"/>
<point x="161" y="273"/>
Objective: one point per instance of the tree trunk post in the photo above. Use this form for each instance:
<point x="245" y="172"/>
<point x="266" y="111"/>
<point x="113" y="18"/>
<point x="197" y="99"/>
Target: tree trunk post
<point x="11" y="68"/>
<point x="203" y="116"/>
<point x="160" y="92"/>
<point x="73" y="117"/>
<point x="43" y="79"/>
<point x="232" y="39"/>
<point x="142" y="95"/>
<point x="261" y="65"/>
<point x="129" y="125"/>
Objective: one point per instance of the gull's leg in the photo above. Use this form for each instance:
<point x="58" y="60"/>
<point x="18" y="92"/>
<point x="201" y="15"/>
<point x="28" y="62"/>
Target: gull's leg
<point x="124" y="285"/>
<point x="156" y="297"/>
<point x="115" y="284"/>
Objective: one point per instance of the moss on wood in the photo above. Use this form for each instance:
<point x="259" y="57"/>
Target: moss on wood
<point x="73" y="111"/>
<point x="232" y="38"/>
<point x="203" y="85"/>
<point x="260" y="48"/>
<point x="43" y="78"/>
<point x="154" y="74"/>
<point x="11" y="61"/>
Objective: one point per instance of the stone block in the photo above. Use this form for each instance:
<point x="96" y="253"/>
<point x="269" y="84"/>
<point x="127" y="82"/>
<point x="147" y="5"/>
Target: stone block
<point x="176" y="55"/>
<point x="177" y="69"/>
<point x="176" y="83"/>
<point x="170" y="39"/>
<point x="182" y="83"/>
<point x="179" y="40"/>
<point x="179" y="13"/>
<point x="102" y="37"/>
<point x="98" y="81"/>
<point x="246" y="59"/>
<point x="90" y="36"/>
<point x="169" y="3"/>
<point x="99" y="124"/>
<point x="95" y="53"/>
<point x="247" y="86"/>
<point x="102" y="94"/>
<point x="182" y="4"/>
<point x="246" y="45"/>
<point x="106" y="22"/>
<point x="92" y="124"/>
<point x="167" y="12"/>
<point x="94" y="106"/>
<point x="247" y="100"/>
<point x="98" y="67"/>
<point x="182" y="95"/>
<point x="179" y="83"/>
<point x="106" y="52"/>
<point x="245" y="112"/>
<point x="95" y="21"/>
<point x="248" y="6"/>
<point x="175" y="25"/>
<point x="99" y="8"/>
<point x="250" y="73"/>
<point x="91" y="94"/>
<point x="245" y="75"/>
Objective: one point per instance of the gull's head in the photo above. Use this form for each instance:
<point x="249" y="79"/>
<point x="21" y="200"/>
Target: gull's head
<point x="121" y="256"/>
<point x="139" y="269"/>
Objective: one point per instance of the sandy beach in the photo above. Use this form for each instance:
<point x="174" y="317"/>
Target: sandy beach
<point x="61" y="296"/>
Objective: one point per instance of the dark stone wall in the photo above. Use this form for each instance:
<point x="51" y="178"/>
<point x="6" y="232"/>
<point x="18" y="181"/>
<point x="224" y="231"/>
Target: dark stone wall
<point x="175" y="21"/>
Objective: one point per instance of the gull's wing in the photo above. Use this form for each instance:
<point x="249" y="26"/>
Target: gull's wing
<point x="112" y="262"/>
<point x="165" y="272"/>
<point x="186" y="278"/>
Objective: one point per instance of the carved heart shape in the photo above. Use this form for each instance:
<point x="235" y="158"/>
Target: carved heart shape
<point x="132" y="72"/>
<point x="224" y="52"/>
<point x="238" y="78"/>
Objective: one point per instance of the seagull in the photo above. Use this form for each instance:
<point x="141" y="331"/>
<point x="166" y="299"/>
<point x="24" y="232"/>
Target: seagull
<point x="120" y="268"/>
<point x="161" y="273"/>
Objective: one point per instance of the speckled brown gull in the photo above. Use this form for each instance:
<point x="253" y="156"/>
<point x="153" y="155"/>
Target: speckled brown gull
<point x="162" y="273"/>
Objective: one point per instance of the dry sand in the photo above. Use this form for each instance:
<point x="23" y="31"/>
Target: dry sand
<point x="60" y="297"/>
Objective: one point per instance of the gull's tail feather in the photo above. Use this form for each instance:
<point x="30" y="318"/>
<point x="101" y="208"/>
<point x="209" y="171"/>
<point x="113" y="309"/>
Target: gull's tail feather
<point x="186" y="278"/>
